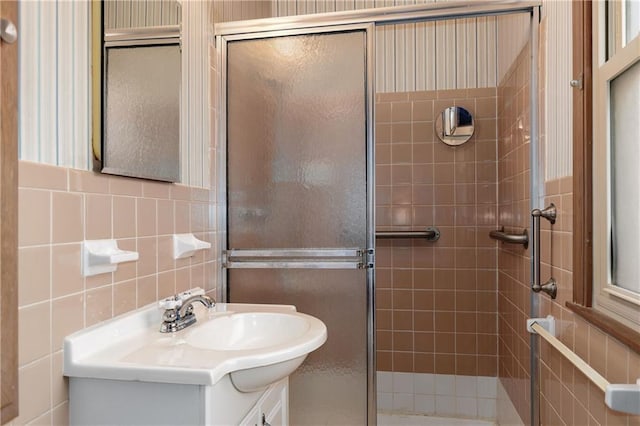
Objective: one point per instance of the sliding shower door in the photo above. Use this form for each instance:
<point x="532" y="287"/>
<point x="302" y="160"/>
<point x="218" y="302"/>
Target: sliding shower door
<point x="298" y="189"/>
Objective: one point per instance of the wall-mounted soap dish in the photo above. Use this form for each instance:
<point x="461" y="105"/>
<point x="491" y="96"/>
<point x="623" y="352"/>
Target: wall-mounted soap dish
<point x="103" y="256"/>
<point x="186" y="245"/>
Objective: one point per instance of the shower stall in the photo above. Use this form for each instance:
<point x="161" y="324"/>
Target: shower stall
<point x="328" y="138"/>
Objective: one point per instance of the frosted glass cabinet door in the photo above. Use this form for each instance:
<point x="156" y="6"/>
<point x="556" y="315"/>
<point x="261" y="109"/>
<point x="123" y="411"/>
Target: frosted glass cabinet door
<point x="296" y="131"/>
<point x="142" y="112"/>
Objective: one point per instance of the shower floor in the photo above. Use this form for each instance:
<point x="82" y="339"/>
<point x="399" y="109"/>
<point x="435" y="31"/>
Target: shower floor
<point x="413" y="420"/>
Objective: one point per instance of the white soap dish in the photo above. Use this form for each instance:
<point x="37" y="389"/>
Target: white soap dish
<point x="103" y="256"/>
<point x="186" y="245"/>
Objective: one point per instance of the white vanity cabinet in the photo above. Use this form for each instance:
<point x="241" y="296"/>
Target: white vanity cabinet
<point x="272" y="408"/>
<point x="100" y="402"/>
<point x="125" y="372"/>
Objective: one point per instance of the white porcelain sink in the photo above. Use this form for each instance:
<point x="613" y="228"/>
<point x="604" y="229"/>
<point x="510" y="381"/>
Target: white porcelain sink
<point x="249" y="330"/>
<point x="255" y="344"/>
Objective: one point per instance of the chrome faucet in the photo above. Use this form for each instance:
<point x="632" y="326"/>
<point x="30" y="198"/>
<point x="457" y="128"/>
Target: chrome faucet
<point x="182" y="316"/>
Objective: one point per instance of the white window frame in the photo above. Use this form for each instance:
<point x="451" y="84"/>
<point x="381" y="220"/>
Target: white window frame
<point x="616" y="302"/>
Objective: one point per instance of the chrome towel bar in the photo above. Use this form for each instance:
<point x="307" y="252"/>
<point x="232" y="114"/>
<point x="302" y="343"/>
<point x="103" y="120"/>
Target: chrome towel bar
<point x="296" y="258"/>
<point x="508" y="238"/>
<point x="620" y="397"/>
<point x="430" y="233"/>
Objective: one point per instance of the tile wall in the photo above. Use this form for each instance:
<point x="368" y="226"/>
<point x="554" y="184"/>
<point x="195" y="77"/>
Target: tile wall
<point x="443" y="395"/>
<point x="436" y="301"/>
<point x="58" y="209"/>
<point x="567" y="397"/>
<point x="513" y="214"/>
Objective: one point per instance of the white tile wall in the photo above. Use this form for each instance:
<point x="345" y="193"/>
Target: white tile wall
<point x="439" y="394"/>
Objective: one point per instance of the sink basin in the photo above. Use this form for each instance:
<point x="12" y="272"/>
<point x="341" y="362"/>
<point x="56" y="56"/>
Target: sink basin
<point x="254" y="331"/>
<point x="248" y="331"/>
<point x="255" y="345"/>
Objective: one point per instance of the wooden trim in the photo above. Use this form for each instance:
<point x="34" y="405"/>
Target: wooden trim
<point x="583" y="183"/>
<point x="9" y="220"/>
<point x="624" y="334"/>
<point x="582" y="155"/>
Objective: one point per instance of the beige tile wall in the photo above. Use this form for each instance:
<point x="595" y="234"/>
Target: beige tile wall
<point x="60" y="207"/>
<point x="513" y="214"/>
<point x="436" y="301"/>
<point x="566" y="395"/>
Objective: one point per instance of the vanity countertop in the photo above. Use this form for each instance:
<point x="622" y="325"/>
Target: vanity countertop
<point x="130" y="347"/>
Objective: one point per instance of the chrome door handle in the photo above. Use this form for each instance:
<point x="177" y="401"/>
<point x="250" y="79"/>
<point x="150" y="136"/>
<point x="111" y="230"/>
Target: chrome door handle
<point x="8" y="31"/>
<point x="550" y="287"/>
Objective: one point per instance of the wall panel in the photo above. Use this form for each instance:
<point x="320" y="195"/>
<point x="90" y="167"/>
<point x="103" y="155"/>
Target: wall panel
<point x="558" y="106"/>
<point x="513" y="32"/>
<point x="555" y="66"/>
<point x="453" y="54"/>
<point x="141" y="13"/>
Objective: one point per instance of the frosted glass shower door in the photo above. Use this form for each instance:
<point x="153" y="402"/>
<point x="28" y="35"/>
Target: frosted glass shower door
<point x="297" y="201"/>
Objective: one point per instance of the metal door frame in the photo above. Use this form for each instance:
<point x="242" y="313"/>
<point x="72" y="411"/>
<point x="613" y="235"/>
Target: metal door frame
<point x="536" y="198"/>
<point x="367" y="20"/>
<point x="381" y="16"/>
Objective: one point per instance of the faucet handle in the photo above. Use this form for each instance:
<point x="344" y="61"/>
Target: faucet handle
<point x="173" y="302"/>
<point x="177" y="300"/>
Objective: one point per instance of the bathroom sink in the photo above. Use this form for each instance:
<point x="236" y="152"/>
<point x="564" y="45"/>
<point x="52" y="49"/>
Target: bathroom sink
<point x="248" y="331"/>
<point x="256" y="345"/>
<point x="254" y="331"/>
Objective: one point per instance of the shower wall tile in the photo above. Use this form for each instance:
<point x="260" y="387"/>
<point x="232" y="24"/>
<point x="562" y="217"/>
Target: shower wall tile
<point x="433" y="316"/>
<point x="567" y="397"/>
<point x="437" y="394"/>
<point x="513" y="214"/>
<point x="58" y="209"/>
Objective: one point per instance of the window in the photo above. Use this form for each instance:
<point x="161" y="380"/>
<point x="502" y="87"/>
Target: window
<point x="616" y="161"/>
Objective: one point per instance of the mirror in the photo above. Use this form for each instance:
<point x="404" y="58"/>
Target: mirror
<point x="139" y="90"/>
<point x="454" y="126"/>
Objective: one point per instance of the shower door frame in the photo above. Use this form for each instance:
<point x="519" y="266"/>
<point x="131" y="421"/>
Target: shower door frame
<point x="368" y="28"/>
<point x="368" y="20"/>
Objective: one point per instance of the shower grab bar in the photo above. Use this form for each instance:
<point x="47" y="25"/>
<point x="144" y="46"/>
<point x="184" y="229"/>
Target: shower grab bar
<point x="550" y="286"/>
<point x="509" y="238"/>
<point x="431" y="233"/>
<point x="620" y="397"/>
